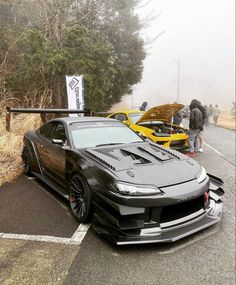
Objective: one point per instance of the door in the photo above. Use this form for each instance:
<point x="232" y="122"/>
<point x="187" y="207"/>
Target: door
<point x="53" y="156"/>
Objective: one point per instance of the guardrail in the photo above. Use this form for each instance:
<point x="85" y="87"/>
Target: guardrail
<point x="41" y="111"/>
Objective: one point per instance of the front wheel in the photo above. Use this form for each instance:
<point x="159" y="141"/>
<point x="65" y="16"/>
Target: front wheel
<point x="80" y="199"/>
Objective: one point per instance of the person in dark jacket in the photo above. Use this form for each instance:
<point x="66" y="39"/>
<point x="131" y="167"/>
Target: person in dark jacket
<point x="144" y="106"/>
<point x="210" y="108"/>
<point x="195" y="126"/>
<point x="178" y="117"/>
<point x="201" y="134"/>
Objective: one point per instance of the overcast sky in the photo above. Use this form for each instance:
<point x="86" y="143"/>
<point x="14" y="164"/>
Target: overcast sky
<point x="200" y="33"/>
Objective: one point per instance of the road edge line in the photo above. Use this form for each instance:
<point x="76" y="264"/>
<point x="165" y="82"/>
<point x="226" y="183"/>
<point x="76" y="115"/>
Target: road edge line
<point x="215" y="150"/>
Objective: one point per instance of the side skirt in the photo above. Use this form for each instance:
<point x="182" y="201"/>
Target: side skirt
<point x="51" y="184"/>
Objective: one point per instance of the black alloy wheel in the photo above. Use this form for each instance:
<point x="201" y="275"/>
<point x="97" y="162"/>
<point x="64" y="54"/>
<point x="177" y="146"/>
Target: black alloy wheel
<point x="80" y="199"/>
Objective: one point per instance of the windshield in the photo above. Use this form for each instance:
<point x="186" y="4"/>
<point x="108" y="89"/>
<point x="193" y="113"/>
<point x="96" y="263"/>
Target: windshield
<point x="94" y="134"/>
<point x="135" y="117"/>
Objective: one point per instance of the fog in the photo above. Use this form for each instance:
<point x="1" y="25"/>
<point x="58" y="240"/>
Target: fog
<point x="200" y="34"/>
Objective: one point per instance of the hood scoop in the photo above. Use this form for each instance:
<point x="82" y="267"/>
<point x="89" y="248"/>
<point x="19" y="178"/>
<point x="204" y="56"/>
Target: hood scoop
<point x="127" y="158"/>
<point x="108" y="161"/>
<point x="119" y="159"/>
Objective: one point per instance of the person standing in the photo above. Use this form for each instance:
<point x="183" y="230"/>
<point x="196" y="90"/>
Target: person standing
<point x="233" y="109"/>
<point x="195" y="126"/>
<point x="207" y="119"/>
<point x="216" y="113"/>
<point x="144" y="106"/>
<point x="178" y="116"/>
<point x="201" y="134"/>
<point x="186" y="112"/>
<point x="210" y="109"/>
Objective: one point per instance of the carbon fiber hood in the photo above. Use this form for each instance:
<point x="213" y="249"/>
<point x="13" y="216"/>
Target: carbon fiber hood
<point x="162" y="113"/>
<point x="146" y="163"/>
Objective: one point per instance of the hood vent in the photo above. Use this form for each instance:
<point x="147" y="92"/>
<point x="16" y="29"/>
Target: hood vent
<point x="126" y="158"/>
<point x="119" y="159"/>
<point x="170" y="152"/>
<point x="137" y="159"/>
<point x="161" y="156"/>
<point x="108" y="161"/>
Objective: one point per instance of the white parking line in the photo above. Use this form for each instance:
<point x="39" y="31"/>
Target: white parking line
<point x="80" y="233"/>
<point x="76" y="238"/>
<point x="215" y="150"/>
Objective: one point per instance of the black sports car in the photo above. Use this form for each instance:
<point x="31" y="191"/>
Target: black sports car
<point x="133" y="190"/>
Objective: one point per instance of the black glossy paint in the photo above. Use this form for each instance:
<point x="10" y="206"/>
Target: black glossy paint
<point x="179" y="210"/>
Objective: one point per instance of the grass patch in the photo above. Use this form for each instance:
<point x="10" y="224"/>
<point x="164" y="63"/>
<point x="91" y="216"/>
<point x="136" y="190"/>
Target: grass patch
<point x="226" y="120"/>
<point x="11" y="144"/>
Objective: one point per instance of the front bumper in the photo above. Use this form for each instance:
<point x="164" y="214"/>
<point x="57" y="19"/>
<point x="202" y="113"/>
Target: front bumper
<point x="124" y="224"/>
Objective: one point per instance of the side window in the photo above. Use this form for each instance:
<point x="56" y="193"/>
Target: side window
<point x="58" y="132"/>
<point x="121" y="117"/>
<point x="45" y="130"/>
<point x="113" y="116"/>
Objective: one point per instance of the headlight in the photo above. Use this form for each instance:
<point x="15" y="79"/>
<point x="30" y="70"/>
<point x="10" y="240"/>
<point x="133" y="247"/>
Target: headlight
<point x="202" y="176"/>
<point x="135" y="190"/>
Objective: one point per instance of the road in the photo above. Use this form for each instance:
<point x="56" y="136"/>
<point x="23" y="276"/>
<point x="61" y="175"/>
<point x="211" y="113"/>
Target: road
<point x="223" y="140"/>
<point x="207" y="257"/>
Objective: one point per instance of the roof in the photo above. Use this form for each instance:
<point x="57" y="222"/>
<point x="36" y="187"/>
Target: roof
<point x="128" y="112"/>
<point x="70" y="120"/>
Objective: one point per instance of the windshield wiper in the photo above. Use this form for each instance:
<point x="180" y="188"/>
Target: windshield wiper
<point x="104" y="144"/>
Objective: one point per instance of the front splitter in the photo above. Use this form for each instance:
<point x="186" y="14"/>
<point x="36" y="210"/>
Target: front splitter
<point x="166" y="235"/>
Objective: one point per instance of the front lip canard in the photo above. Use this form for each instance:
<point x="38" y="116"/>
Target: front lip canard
<point x="162" y="113"/>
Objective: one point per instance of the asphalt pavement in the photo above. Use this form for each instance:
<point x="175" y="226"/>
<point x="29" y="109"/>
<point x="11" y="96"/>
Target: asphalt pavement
<point x="30" y="207"/>
<point x="222" y="140"/>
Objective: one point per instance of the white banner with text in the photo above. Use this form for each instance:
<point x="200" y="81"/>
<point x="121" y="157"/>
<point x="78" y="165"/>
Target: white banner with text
<point x="75" y="93"/>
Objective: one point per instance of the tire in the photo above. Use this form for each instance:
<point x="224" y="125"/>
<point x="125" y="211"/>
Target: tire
<point x="80" y="199"/>
<point x="26" y="161"/>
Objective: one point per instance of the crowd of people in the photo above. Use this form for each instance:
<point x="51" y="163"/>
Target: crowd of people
<point x="211" y="114"/>
<point x="198" y="116"/>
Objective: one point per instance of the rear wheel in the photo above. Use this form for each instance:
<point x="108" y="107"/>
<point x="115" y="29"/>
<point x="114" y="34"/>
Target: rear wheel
<point x="26" y="160"/>
<point x="80" y="199"/>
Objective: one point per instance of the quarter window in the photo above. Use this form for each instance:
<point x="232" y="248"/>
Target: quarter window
<point x="121" y="117"/>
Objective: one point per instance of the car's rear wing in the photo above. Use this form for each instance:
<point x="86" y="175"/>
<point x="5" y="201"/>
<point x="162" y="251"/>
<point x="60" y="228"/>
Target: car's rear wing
<point x="42" y="112"/>
<point x="101" y="114"/>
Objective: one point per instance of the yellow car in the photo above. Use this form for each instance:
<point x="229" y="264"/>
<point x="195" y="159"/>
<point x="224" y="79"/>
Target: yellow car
<point x="156" y="124"/>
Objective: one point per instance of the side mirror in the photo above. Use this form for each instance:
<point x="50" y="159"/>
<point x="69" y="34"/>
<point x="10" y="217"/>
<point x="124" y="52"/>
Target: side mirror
<point x="58" y="141"/>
